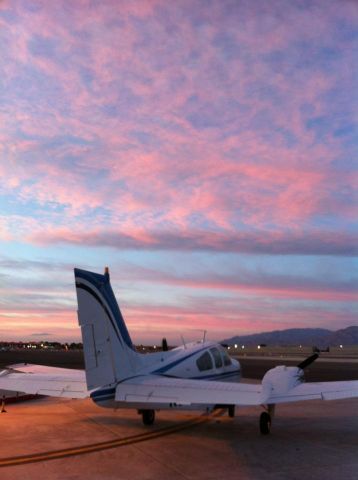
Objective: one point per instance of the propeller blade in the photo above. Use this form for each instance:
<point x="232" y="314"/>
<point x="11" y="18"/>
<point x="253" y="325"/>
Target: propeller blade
<point x="308" y="361"/>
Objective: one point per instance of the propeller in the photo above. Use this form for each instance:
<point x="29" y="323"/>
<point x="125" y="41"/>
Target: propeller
<point x="308" y="361"/>
<point x="164" y="345"/>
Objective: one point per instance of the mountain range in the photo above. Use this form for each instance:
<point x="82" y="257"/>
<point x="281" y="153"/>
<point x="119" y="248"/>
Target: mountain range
<point x="319" y="337"/>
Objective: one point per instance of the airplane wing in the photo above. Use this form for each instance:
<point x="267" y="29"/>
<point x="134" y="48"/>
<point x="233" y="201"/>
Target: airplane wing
<point x="41" y="380"/>
<point x="154" y="389"/>
<point x="284" y="384"/>
<point x="316" y="390"/>
<point x="280" y="385"/>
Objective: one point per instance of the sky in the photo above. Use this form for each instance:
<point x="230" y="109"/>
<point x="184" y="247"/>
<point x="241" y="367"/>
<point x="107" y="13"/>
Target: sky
<point x="206" y="151"/>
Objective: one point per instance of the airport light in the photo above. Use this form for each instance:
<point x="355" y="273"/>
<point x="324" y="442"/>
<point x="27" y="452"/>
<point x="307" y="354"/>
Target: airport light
<point x="228" y="348"/>
<point x="235" y="345"/>
<point x="258" y="347"/>
<point x="341" y="346"/>
<point x="242" y="346"/>
<point x="154" y="346"/>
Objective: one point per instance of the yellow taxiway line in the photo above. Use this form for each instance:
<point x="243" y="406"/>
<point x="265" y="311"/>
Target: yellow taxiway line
<point x="96" y="447"/>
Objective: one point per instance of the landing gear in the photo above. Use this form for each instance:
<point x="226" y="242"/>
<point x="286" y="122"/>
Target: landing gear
<point x="148" y="416"/>
<point x="265" y="423"/>
<point x="266" y="419"/>
<point x="3" y="409"/>
<point x="231" y="411"/>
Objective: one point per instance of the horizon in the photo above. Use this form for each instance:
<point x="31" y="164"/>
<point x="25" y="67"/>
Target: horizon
<point x="47" y="338"/>
<point x="44" y="340"/>
<point x="205" y="152"/>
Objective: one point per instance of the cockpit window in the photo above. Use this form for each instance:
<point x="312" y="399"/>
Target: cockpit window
<point x="217" y="357"/>
<point x="226" y="358"/>
<point x="204" y="362"/>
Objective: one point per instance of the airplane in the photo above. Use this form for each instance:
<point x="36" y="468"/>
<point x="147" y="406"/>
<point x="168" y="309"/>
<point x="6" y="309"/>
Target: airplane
<point x="196" y="376"/>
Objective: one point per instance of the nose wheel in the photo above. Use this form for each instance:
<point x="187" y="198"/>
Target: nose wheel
<point x="265" y="423"/>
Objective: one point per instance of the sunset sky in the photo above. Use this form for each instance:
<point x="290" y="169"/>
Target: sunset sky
<point x="206" y="151"/>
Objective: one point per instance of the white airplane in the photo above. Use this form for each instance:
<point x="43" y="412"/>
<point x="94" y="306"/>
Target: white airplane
<point x="198" y="376"/>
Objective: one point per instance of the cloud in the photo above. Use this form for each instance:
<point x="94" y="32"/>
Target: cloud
<point x="327" y="243"/>
<point x="154" y="127"/>
<point x="148" y="124"/>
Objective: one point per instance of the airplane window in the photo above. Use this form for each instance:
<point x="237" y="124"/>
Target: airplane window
<point x="227" y="359"/>
<point x="217" y="357"/>
<point x="204" y="362"/>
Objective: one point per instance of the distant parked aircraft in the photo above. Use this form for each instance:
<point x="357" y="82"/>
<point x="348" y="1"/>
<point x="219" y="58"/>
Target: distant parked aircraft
<point x="196" y="376"/>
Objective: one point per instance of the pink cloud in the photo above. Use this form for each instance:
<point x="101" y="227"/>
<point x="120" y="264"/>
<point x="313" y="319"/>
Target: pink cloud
<point x="264" y="172"/>
<point x="319" y="243"/>
<point x="155" y="127"/>
<point x="40" y="298"/>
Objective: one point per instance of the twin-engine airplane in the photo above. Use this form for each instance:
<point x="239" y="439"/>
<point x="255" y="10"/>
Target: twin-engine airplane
<point x="198" y="376"/>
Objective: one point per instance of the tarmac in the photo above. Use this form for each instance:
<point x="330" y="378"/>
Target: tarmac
<point x="74" y="439"/>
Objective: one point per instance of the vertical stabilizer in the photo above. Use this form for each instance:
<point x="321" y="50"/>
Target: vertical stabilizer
<point x="108" y="350"/>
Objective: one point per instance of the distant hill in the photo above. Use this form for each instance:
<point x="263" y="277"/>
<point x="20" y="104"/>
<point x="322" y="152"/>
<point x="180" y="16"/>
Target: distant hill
<point x="345" y="336"/>
<point x="320" y="337"/>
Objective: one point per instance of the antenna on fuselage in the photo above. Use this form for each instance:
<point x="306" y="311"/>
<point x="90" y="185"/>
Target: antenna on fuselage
<point x="182" y="339"/>
<point x="204" y="336"/>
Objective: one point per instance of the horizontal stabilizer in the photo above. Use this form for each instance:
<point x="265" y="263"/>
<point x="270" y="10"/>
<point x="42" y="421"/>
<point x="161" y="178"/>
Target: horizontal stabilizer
<point x="41" y="380"/>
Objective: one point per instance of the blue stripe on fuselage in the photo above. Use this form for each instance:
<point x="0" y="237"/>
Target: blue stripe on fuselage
<point x="165" y="368"/>
<point x="105" y="391"/>
<point x="217" y="375"/>
<point x="104" y="398"/>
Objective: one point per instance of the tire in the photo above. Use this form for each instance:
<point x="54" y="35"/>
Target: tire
<point x="265" y="423"/>
<point x="148" y="417"/>
<point x="231" y="411"/>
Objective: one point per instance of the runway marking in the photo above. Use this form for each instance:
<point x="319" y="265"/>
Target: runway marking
<point x="96" y="447"/>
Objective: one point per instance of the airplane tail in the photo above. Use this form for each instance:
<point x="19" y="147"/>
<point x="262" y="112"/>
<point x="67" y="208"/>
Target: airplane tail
<point x="108" y="349"/>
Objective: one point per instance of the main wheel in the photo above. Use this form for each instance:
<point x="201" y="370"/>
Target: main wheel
<point x="231" y="411"/>
<point x="148" y="417"/>
<point x="265" y="423"/>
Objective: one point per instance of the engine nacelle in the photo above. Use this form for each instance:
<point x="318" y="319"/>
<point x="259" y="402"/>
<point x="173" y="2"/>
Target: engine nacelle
<point x="280" y="380"/>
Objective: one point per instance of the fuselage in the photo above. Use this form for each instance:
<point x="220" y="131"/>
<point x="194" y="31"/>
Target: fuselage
<point x="205" y="361"/>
